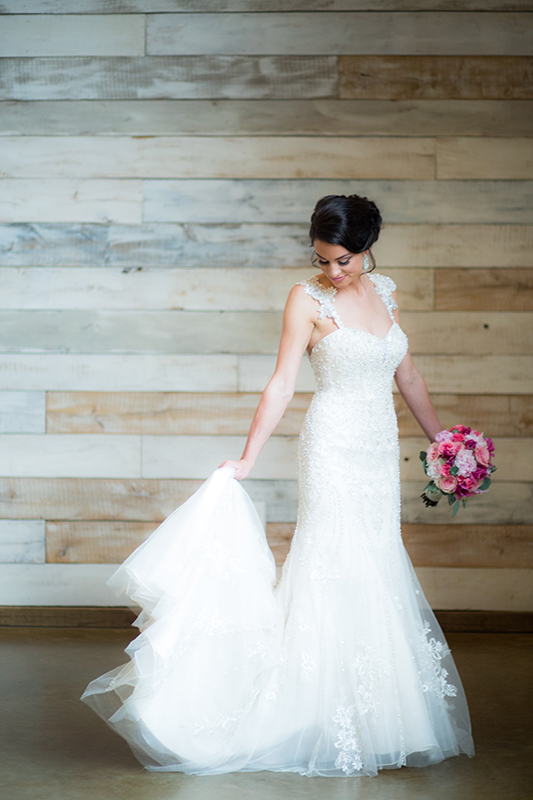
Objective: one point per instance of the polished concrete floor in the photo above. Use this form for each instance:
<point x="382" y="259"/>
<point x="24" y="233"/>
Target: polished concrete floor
<point x="52" y="747"/>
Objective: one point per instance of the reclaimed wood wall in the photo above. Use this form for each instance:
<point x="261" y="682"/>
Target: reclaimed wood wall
<point x="159" y="163"/>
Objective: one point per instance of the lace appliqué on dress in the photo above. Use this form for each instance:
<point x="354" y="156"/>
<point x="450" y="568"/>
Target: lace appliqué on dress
<point x="325" y="296"/>
<point x="346" y="740"/>
<point x="385" y="286"/>
<point x="434" y="679"/>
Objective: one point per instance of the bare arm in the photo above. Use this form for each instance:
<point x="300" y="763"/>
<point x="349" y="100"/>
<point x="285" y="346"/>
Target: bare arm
<point x="297" y="328"/>
<point x="414" y="391"/>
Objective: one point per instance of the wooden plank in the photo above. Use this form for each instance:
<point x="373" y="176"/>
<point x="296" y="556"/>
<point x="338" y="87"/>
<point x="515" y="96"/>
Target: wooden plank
<point x="167" y="246"/>
<point x="484" y="158"/>
<point x="216" y="157"/>
<point x="76" y="455"/>
<point x="204" y="289"/>
<point x="210" y="332"/>
<point x="484" y="289"/>
<point x="455" y="246"/>
<point x="70" y="201"/>
<point x="498" y="415"/>
<point x="469" y="588"/>
<point x="216" y="201"/>
<point x="22" y="541"/>
<point x="255" y="245"/>
<point x="102" y="542"/>
<point x="133" y="373"/>
<point x="339" y="33"/>
<point x="146" y="500"/>
<point x="231" y="413"/>
<point x="198" y="456"/>
<point x="433" y="545"/>
<point x="436" y="77"/>
<point x="72" y="35"/>
<point x="314" y="117"/>
<point x="151" y="6"/>
<point x="22" y="412"/>
<point x="85" y="584"/>
<point x="57" y="585"/>
<point x="443" y="374"/>
<point x="168" y="78"/>
<point x="512" y="457"/>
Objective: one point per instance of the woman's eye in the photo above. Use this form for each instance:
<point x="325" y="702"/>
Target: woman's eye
<point x="344" y="263"/>
<point x="323" y="263"/>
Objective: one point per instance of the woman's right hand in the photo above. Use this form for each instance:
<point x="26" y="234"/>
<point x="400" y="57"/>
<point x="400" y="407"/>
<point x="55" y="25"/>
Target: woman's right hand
<point x="242" y="468"/>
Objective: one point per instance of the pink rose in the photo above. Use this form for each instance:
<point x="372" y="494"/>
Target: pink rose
<point x="447" y="484"/>
<point x="445" y="470"/>
<point x="449" y="449"/>
<point x="461" y="429"/>
<point x="470" y="444"/>
<point x="482" y="454"/>
<point x="490" y="444"/>
<point x="458" y="437"/>
<point x="432" y="451"/>
<point x="443" y="436"/>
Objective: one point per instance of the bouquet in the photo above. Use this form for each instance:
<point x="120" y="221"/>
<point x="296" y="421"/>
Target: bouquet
<point x="458" y="464"/>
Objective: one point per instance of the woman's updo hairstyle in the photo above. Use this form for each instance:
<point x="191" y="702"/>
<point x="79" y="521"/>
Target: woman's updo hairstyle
<point x="353" y="222"/>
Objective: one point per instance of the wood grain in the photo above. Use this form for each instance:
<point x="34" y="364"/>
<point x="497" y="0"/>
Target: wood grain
<point x="215" y="157"/>
<point x="133" y="373"/>
<point x="255" y="245"/>
<point x="144" y="500"/>
<point x="86" y="542"/>
<point x="313" y="117"/>
<point x="72" y="35"/>
<point x="151" y="6"/>
<point x="443" y="374"/>
<point x="498" y="589"/>
<point x="201" y="289"/>
<point x="339" y="33"/>
<point x="236" y="201"/>
<point x="209" y="332"/>
<point x="22" y="412"/>
<point x="484" y="289"/>
<point x="429" y="545"/>
<point x="22" y="541"/>
<point x="167" y="78"/>
<point x="231" y="413"/>
<point x="436" y="77"/>
<point x="70" y="201"/>
<point x="484" y="158"/>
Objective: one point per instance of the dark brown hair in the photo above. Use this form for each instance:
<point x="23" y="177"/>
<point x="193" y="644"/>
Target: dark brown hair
<point x="353" y="222"/>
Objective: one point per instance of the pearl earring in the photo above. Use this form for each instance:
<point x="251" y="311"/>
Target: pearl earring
<point x="366" y="263"/>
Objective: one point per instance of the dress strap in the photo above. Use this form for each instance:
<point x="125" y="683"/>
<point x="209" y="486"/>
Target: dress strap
<point x="325" y="296"/>
<point x="385" y="286"/>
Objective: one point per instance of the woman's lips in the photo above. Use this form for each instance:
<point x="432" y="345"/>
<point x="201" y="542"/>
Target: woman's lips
<point x="338" y="280"/>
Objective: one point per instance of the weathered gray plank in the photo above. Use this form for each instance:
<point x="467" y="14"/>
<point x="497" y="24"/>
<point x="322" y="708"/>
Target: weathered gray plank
<point x="485" y="158"/>
<point x="444" y="332"/>
<point x="171" y="77"/>
<point x="340" y="33"/>
<point x="22" y="412"/>
<point x="223" y="289"/>
<point x="443" y="374"/>
<point x="22" y="541"/>
<point x="215" y="201"/>
<point x="255" y="245"/>
<point x="214" y="157"/>
<point x="490" y="289"/>
<point x="72" y="35"/>
<point x="70" y="201"/>
<point x="267" y="117"/>
<point x="151" y="6"/>
<point x="57" y="585"/>
<point x="434" y="77"/>
<point x="133" y="373"/>
<point x="70" y="455"/>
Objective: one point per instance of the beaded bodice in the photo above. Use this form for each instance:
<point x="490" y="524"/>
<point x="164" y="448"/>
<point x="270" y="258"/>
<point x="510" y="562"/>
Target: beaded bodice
<point x="354" y="360"/>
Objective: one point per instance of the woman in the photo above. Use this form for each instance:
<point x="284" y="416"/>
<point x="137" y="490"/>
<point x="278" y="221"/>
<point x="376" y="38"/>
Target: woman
<point x="342" y="669"/>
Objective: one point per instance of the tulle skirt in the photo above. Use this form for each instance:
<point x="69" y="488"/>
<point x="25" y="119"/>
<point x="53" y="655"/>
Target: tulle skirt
<point x="321" y="675"/>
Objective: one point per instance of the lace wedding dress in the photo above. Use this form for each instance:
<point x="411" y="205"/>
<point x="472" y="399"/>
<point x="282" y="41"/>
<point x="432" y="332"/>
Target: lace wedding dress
<point x="342" y="668"/>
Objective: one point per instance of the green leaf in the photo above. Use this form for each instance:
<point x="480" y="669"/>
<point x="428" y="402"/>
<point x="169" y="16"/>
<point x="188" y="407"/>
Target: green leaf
<point x="464" y="502"/>
<point x="493" y="468"/>
<point x="422" y="455"/>
<point x="455" y="508"/>
<point x="454" y="470"/>
<point x="451" y="499"/>
<point x="485" y="485"/>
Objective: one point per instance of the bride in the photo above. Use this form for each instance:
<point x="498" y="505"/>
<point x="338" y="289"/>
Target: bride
<point x="341" y="668"/>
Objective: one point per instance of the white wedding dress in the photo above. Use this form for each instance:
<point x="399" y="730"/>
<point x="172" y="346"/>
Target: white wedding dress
<point x="342" y="668"/>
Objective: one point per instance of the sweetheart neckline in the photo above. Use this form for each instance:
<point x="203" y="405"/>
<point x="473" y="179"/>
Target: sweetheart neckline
<point x="358" y="330"/>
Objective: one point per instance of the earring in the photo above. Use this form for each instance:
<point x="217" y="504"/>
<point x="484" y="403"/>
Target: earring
<point x="366" y="263"/>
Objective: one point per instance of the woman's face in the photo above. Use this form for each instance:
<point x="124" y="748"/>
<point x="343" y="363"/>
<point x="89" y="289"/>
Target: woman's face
<point x="339" y="265"/>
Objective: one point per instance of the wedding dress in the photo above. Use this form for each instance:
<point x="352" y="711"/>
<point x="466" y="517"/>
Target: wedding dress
<point x="341" y="669"/>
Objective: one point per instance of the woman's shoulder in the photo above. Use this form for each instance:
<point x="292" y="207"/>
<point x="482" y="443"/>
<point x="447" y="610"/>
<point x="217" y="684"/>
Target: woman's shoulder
<point x="313" y="287"/>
